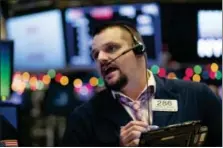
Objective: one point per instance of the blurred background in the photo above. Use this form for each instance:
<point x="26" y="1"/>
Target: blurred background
<point x="45" y="65"/>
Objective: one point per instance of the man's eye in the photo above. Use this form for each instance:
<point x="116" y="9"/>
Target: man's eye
<point x="111" y="48"/>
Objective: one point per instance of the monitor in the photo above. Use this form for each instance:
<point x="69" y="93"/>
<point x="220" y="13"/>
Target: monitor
<point x="80" y="23"/>
<point x="6" y="69"/>
<point x="193" y="32"/>
<point x="209" y="42"/>
<point x="39" y="41"/>
<point x="8" y="121"/>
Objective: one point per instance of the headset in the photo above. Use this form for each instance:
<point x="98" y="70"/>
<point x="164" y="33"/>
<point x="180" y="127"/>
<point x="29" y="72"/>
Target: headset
<point x="139" y="48"/>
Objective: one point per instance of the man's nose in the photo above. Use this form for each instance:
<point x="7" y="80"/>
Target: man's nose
<point x="102" y="56"/>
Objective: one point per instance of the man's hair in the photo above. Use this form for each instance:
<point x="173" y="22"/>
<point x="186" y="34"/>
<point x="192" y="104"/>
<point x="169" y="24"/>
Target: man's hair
<point x="123" y="25"/>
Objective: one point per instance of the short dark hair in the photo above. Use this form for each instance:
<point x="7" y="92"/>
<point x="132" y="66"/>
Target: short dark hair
<point x="122" y="24"/>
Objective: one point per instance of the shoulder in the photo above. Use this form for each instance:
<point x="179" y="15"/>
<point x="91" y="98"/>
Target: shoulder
<point x="186" y="89"/>
<point x="197" y="90"/>
<point x="183" y="85"/>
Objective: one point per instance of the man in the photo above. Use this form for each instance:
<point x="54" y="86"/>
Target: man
<point x="119" y="114"/>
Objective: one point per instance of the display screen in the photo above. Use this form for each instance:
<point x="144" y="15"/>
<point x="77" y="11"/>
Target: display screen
<point x="10" y="114"/>
<point x="39" y="41"/>
<point x="6" y="68"/>
<point x="209" y="43"/>
<point x="80" y="23"/>
<point x="193" y="32"/>
<point x="9" y="122"/>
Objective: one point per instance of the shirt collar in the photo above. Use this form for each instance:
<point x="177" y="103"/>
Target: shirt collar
<point x="151" y="82"/>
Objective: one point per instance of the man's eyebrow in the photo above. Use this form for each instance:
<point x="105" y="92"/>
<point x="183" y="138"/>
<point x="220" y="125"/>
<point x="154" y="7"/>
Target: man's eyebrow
<point x="110" y="43"/>
<point x="106" y="44"/>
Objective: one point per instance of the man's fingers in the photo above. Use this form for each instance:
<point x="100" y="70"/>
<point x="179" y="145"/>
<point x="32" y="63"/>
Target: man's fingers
<point x="139" y="123"/>
<point x="133" y="128"/>
<point x="131" y="136"/>
<point x="130" y="133"/>
<point x="133" y="143"/>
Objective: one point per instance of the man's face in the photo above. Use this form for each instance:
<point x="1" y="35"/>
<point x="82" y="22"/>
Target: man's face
<point x="106" y="46"/>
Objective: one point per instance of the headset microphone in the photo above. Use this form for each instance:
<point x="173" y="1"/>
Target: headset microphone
<point x="119" y="56"/>
<point x="135" y="50"/>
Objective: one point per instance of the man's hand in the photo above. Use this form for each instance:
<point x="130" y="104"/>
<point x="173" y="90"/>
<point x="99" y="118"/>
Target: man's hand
<point x="130" y="133"/>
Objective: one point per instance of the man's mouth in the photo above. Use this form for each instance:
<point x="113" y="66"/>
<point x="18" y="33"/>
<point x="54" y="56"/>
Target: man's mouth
<point x="107" y="71"/>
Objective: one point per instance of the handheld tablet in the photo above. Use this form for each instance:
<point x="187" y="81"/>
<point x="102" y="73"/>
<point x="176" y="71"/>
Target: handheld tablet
<point x="190" y="133"/>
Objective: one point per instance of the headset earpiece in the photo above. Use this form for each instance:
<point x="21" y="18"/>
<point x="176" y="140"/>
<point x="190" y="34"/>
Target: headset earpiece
<point x="139" y="49"/>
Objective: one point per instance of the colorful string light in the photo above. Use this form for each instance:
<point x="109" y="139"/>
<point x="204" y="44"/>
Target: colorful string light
<point x="189" y="72"/>
<point x="58" y="77"/>
<point x="51" y="73"/>
<point x="171" y="75"/>
<point x="196" y="78"/>
<point x="197" y="69"/>
<point x="77" y="83"/>
<point x="22" y="81"/>
<point x="25" y="76"/>
<point x="93" y="81"/>
<point x="214" y="67"/>
<point x="64" y="80"/>
<point x="155" y="69"/>
<point x="218" y="75"/>
<point x="100" y="82"/>
<point x="162" y="72"/>
<point x="46" y="79"/>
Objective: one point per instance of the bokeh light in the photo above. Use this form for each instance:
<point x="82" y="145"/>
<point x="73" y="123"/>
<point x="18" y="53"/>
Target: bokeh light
<point x="25" y="76"/>
<point x="155" y="69"/>
<point x="171" y="75"/>
<point x="64" y="80"/>
<point x="84" y="91"/>
<point x="17" y="75"/>
<point x="197" y="69"/>
<point x="89" y="86"/>
<point x="77" y="83"/>
<point x="33" y="82"/>
<point x="212" y="75"/>
<point x="58" y="77"/>
<point x="27" y="86"/>
<point x="40" y="85"/>
<point x="3" y="98"/>
<point x="40" y="76"/>
<point x="162" y="72"/>
<point x="93" y="81"/>
<point x="218" y="75"/>
<point x="46" y="79"/>
<point x="189" y="72"/>
<point x="100" y="82"/>
<point x="51" y="73"/>
<point x="196" y="78"/>
<point x="214" y="67"/>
